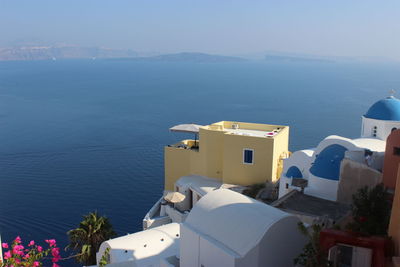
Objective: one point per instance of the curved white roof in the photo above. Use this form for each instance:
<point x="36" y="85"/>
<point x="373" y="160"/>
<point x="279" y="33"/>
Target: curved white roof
<point x="371" y="144"/>
<point x="236" y="221"/>
<point x="147" y="246"/>
<point x="353" y="144"/>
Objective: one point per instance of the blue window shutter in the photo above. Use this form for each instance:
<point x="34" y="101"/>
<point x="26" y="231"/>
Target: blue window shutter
<point x="248" y="156"/>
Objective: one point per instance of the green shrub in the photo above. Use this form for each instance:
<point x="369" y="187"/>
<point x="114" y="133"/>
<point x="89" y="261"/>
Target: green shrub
<point x="371" y="210"/>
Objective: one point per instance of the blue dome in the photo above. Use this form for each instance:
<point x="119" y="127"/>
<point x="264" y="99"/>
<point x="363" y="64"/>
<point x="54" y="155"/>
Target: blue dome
<point x="294" y="172"/>
<point x="387" y="109"/>
<point x="327" y="163"/>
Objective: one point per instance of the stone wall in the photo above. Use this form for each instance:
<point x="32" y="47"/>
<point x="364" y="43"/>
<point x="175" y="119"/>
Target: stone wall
<point x="353" y="176"/>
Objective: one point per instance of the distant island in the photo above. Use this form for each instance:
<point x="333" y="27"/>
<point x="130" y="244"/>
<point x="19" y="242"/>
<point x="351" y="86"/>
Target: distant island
<point x="187" y="57"/>
<point x="61" y="52"/>
<point x="295" y="59"/>
<point x="29" y="52"/>
<point x="77" y="52"/>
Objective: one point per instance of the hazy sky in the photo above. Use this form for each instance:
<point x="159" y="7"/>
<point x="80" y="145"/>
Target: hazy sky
<point x="341" y="28"/>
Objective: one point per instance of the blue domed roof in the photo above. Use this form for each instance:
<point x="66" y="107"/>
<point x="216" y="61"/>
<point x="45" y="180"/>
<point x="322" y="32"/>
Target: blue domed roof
<point x="327" y="163"/>
<point x="387" y="109"/>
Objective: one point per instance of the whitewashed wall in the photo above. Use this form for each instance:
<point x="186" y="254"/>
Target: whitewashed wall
<point x="211" y="254"/>
<point x="281" y="244"/>
<point x="189" y="247"/>
<point x="384" y="128"/>
<point x="300" y="159"/>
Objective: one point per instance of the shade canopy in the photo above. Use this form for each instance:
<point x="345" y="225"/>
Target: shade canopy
<point x="174" y="197"/>
<point x="186" y="128"/>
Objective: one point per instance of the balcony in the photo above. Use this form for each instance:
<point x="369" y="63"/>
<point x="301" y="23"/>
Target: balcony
<point x="187" y="144"/>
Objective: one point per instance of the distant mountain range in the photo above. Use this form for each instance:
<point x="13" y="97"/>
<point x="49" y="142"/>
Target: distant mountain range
<point x="76" y="52"/>
<point x="43" y="52"/>
<point x="188" y="57"/>
<point x="61" y="52"/>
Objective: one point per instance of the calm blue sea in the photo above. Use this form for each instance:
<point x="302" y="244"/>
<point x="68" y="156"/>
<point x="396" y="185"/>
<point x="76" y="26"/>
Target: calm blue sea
<point x="84" y="135"/>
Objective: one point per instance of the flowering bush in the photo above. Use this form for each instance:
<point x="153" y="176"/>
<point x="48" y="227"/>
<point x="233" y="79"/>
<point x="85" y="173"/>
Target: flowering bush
<point x="32" y="255"/>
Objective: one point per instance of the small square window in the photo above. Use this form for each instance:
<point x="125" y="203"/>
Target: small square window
<point x="248" y="156"/>
<point x="396" y="151"/>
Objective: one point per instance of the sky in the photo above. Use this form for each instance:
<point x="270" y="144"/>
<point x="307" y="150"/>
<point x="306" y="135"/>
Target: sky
<point x="351" y="28"/>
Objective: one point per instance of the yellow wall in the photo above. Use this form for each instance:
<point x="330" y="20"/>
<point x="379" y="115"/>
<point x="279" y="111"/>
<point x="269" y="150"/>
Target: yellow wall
<point x="176" y="164"/>
<point x="211" y="150"/>
<point x="235" y="171"/>
<point x="220" y="155"/>
<point x="207" y="161"/>
<point x="281" y="150"/>
<point x="196" y="163"/>
<point x="394" y="226"/>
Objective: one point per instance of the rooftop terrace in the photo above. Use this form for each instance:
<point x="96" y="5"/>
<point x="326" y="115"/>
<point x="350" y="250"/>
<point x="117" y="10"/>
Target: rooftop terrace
<point x="246" y="129"/>
<point x="234" y="128"/>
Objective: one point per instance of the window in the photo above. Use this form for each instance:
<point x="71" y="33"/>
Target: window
<point x="248" y="156"/>
<point x="394" y="129"/>
<point x="396" y="151"/>
<point x="345" y="255"/>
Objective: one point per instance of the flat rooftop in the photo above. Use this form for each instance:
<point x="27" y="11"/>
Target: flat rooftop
<point x="299" y="203"/>
<point x="246" y="129"/>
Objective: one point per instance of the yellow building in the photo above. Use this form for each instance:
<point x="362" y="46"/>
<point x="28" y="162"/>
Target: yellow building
<point x="233" y="152"/>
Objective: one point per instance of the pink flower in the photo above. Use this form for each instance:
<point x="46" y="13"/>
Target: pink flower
<point x="4" y="245"/>
<point x="7" y="255"/>
<point x="51" y="242"/>
<point x="31" y="243"/>
<point x="35" y="264"/>
<point x="18" y="249"/>
<point x="17" y="240"/>
<point x="55" y="265"/>
<point x="39" y="249"/>
<point x="55" y="252"/>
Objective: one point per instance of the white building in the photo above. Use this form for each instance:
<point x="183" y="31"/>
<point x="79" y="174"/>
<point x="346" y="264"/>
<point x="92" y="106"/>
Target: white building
<point x="381" y="119"/>
<point x="320" y="166"/>
<point x="146" y="248"/>
<point x="224" y="228"/>
<point x="193" y="188"/>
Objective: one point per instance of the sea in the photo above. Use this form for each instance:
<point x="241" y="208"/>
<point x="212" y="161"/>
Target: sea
<point x="78" y="136"/>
